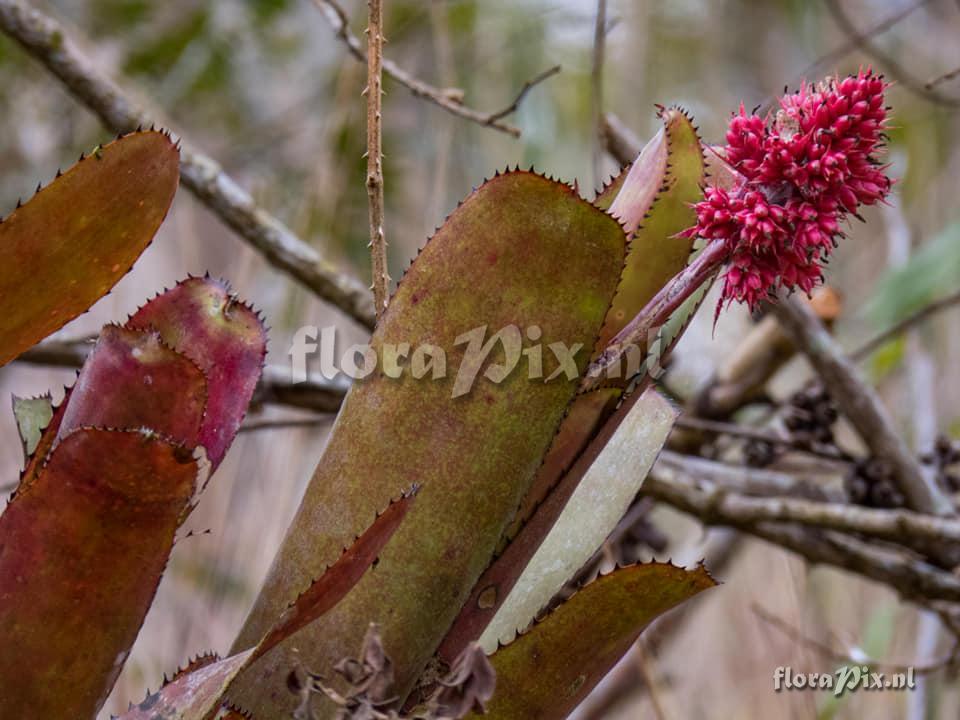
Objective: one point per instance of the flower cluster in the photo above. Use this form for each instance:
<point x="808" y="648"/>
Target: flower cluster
<point x="801" y="171"/>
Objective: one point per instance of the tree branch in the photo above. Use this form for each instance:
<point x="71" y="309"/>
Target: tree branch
<point x="596" y="86"/>
<point x="904" y="527"/>
<point x="860" y="404"/>
<point x="759" y="482"/>
<point x="942" y="78"/>
<point x="919" y="316"/>
<point x="914" y="579"/>
<point x="374" y="93"/>
<point x="619" y="140"/>
<point x="275" y="388"/>
<point x="747" y="432"/>
<point x="46" y="40"/>
<point x="892" y="65"/>
<point x="920" y="668"/>
<point x="449" y="99"/>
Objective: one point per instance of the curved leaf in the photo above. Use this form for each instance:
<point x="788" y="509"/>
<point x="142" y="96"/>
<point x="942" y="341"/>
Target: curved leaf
<point x="202" y="319"/>
<point x="197" y="693"/>
<point x="521" y="251"/>
<point x="655" y="203"/>
<point x="72" y="242"/>
<point x="85" y="539"/>
<point x="547" y="671"/>
<point x="83" y="548"/>
<point x="652" y="197"/>
<point x="602" y="497"/>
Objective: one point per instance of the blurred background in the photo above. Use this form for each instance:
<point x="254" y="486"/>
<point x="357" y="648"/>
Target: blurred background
<point x="268" y="89"/>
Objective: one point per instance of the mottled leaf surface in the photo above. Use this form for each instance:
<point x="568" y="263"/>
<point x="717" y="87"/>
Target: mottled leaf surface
<point x="499" y="578"/>
<point x="521" y="251"/>
<point x="197" y="693"/>
<point x="654" y="203"/>
<point x="86" y="536"/>
<point x="66" y="247"/>
<point x="652" y="200"/>
<point x="133" y="380"/>
<point x="82" y="549"/>
<point x="202" y="319"/>
<point x="548" y="670"/>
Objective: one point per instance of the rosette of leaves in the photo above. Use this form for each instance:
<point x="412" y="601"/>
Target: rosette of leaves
<point x="89" y="529"/>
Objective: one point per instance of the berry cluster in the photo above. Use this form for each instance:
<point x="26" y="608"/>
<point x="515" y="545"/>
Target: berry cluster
<point x="945" y="458"/>
<point x="802" y="170"/>
<point x="810" y="417"/>
<point x="871" y="482"/>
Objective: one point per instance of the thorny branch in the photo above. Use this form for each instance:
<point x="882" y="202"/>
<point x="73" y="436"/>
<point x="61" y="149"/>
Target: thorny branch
<point x="374" y="93"/>
<point x="450" y="99"/>
<point x="48" y="42"/>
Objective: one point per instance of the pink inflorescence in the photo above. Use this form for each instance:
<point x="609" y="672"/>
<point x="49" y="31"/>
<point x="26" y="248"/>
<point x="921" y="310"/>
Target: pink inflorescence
<point x="802" y="170"/>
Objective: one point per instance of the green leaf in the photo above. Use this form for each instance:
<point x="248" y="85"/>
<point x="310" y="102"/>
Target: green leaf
<point x="930" y="273"/>
<point x="33" y="415"/>
<point x="654" y="203"/>
<point x="548" y="670"/>
<point x="601" y="499"/>
<point x="79" y="235"/>
<point x="86" y="537"/>
<point x="653" y="198"/>
<point x="196" y="694"/>
<point x="522" y="251"/>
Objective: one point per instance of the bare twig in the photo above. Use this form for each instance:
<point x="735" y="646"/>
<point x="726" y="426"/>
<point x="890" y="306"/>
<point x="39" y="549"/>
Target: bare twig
<point x="619" y="140"/>
<point x="904" y="527"/>
<point x="860" y="404"/>
<point x="876" y="342"/>
<point x="745" y="480"/>
<point x="284" y="424"/>
<point x="596" y="84"/>
<point x="865" y="42"/>
<point x="853" y="41"/>
<point x="829" y="653"/>
<point x="317" y="393"/>
<point x="746" y="432"/>
<point x="449" y="99"/>
<point x="47" y="41"/>
<point x="374" y="93"/>
<point x="522" y="94"/>
<point x="939" y="79"/>
<point x="914" y="579"/>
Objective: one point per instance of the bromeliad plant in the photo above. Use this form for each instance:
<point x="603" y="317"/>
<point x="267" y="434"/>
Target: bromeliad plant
<point x="448" y="522"/>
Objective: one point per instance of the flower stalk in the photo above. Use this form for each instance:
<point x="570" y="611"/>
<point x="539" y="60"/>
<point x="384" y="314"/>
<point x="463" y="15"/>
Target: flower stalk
<point x="800" y="172"/>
